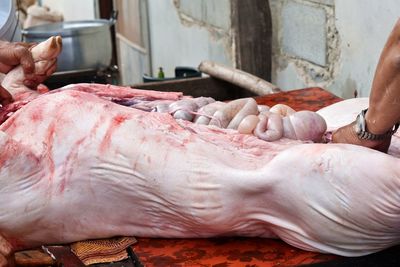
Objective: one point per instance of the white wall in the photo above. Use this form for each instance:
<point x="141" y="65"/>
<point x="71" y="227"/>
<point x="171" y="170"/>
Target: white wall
<point x="364" y="26"/>
<point x="184" y="33"/>
<point x="74" y="9"/>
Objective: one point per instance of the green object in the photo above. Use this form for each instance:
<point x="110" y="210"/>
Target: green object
<point x="160" y="74"/>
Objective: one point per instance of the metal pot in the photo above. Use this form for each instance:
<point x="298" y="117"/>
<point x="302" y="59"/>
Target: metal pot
<point x="86" y="44"/>
<point x="9" y="26"/>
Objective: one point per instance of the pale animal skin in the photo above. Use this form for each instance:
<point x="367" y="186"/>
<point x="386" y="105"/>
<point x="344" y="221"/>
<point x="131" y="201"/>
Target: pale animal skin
<point x="75" y="167"/>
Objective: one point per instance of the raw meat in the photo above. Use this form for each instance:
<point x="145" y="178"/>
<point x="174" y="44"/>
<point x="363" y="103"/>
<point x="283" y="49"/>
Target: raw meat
<point x="76" y="166"/>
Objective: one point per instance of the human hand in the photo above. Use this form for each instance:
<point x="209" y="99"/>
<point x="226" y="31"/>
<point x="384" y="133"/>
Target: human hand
<point x="14" y="54"/>
<point x="348" y="135"/>
<point x="6" y="253"/>
<point x="29" y="74"/>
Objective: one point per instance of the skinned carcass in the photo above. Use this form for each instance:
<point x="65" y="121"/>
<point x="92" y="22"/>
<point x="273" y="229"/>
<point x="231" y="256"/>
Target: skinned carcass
<point x="75" y="166"/>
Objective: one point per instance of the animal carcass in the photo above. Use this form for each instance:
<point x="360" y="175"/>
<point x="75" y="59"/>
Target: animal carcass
<point x="75" y="166"/>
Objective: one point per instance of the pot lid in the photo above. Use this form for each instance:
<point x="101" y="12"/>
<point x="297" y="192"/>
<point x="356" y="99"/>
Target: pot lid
<point x="69" y="28"/>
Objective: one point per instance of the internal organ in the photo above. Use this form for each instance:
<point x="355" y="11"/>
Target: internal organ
<point x="244" y="115"/>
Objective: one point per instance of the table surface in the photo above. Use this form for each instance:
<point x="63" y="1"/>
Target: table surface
<point x="302" y="99"/>
<point x="239" y="251"/>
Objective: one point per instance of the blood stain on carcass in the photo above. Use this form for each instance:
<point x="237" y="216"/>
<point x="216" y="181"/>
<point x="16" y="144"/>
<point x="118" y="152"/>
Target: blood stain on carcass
<point x="116" y="122"/>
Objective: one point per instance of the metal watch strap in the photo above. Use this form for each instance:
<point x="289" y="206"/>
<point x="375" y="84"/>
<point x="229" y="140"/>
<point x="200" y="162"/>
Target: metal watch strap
<point x="362" y="131"/>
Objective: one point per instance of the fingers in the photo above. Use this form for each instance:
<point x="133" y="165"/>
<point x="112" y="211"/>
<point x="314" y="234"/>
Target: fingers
<point x="347" y="135"/>
<point x="5" y="97"/>
<point x="25" y="58"/>
<point x="13" y="54"/>
<point x="26" y="45"/>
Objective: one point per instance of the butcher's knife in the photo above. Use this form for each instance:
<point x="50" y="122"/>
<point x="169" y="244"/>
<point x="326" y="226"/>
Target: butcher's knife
<point x="63" y="256"/>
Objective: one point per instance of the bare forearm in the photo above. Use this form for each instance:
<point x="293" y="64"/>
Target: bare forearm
<point x="384" y="106"/>
<point x="384" y="113"/>
<point x="384" y="103"/>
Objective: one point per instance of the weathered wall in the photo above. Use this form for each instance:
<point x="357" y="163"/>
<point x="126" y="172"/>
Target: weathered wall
<point x="185" y="32"/>
<point x="331" y="44"/>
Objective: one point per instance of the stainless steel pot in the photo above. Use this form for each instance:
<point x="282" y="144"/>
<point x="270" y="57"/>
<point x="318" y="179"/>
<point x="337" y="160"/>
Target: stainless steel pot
<point x="86" y="44"/>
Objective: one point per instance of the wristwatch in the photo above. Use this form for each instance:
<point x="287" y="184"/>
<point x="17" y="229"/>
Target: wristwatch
<point x="362" y="131"/>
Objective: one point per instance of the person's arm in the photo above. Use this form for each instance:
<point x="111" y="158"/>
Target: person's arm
<point x="384" y="103"/>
